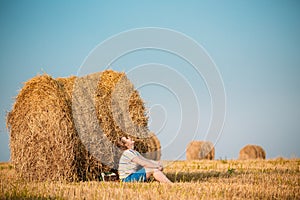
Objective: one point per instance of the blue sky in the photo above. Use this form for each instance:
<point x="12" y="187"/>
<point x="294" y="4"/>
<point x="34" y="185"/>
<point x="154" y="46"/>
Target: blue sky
<point x="255" y="45"/>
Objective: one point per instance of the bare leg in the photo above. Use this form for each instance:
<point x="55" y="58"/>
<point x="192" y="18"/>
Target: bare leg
<point x="149" y="174"/>
<point x="161" y="177"/>
<point x="157" y="174"/>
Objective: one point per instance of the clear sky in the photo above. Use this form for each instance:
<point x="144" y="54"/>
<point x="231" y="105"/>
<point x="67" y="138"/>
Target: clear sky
<point x="254" y="44"/>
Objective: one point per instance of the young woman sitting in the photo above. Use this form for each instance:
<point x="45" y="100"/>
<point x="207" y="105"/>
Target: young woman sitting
<point x="133" y="167"/>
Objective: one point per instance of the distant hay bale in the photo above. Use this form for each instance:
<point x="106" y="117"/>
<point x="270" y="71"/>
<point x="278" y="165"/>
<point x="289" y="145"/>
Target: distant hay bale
<point x="197" y="150"/>
<point x="54" y="126"/>
<point x="252" y="152"/>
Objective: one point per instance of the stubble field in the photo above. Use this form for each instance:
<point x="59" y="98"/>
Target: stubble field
<point x="218" y="179"/>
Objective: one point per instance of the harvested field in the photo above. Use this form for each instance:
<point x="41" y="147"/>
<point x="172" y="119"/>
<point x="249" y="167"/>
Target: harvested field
<point x="203" y="179"/>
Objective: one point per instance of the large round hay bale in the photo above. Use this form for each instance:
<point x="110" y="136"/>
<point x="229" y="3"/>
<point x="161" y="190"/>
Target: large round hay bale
<point x="43" y="140"/>
<point x="67" y="84"/>
<point x="153" y="151"/>
<point x="68" y="128"/>
<point x="105" y="108"/>
<point x="120" y="110"/>
<point x="198" y="150"/>
<point x="252" y="152"/>
<point x="93" y="166"/>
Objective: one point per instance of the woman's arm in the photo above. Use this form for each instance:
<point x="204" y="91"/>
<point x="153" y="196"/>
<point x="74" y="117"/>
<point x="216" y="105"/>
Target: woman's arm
<point x="147" y="163"/>
<point x="154" y="162"/>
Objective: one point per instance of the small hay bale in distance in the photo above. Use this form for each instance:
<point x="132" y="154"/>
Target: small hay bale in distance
<point x="198" y="150"/>
<point x="44" y="141"/>
<point x="251" y="151"/>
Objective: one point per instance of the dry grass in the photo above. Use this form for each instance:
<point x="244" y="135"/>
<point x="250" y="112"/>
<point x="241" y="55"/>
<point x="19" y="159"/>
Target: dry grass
<point x="205" y="179"/>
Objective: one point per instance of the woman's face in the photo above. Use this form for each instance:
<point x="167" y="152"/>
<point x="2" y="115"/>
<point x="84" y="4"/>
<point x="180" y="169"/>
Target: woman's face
<point x="128" y="142"/>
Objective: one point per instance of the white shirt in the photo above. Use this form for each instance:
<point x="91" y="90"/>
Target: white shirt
<point x="126" y="165"/>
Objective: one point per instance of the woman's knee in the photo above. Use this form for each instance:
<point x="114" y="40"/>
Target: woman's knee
<point x="148" y="172"/>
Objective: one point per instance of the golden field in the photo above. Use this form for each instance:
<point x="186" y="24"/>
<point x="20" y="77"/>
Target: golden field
<point x="205" y="179"/>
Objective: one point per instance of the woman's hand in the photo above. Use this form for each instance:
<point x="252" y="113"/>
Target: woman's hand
<point x="160" y="166"/>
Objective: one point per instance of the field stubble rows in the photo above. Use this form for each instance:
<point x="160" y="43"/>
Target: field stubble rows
<point x="219" y="179"/>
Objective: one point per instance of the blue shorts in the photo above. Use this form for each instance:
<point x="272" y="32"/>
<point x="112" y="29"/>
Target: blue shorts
<point x="138" y="176"/>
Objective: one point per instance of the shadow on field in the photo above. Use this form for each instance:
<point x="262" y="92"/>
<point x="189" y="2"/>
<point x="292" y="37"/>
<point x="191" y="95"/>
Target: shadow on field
<point x="197" y="176"/>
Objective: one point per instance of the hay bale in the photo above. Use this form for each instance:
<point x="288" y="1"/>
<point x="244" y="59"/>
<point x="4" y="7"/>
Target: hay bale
<point x="68" y="128"/>
<point x="93" y="167"/>
<point x="43" y="140"/>
<point x="197" y="150"/>
<point x="252" y="152"/>
<point x="86" y="122"/>
<point x="120" y="110"/>
<point x="153" y="151"/>
<point x="124" y="110"/>
<point x="67" y="84"/>
<point x="106" y="107"/>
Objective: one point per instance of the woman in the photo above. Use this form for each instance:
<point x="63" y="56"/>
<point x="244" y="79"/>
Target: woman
<point x="134" y="167"/>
